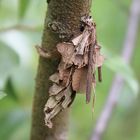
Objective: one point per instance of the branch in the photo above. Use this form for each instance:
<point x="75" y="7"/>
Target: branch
<point x="118" y="82"/>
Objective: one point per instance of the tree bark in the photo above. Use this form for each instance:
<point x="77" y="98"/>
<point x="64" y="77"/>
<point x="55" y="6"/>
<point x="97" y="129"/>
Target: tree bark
<point x="61" y="23"/>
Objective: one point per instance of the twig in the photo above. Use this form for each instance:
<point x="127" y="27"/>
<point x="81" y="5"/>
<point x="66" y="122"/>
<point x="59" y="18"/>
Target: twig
<point x="129" y="45"/>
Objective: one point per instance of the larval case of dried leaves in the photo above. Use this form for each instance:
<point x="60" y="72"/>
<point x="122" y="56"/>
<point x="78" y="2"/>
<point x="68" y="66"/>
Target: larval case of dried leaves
<point x="76" y="71"/>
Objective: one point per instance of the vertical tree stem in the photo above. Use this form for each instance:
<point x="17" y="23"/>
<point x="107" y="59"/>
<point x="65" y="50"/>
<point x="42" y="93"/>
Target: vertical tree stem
<point x="62" y="19"/>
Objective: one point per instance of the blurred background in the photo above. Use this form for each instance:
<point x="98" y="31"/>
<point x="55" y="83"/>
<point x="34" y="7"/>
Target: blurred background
<point x="21" y="25"/>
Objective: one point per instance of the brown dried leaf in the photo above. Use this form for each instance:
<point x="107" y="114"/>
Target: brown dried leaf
<point x="79" y="79"/>
<point x="86" y="58"/>
<point x="79" y="60"/>
<point x="55" y="78"/>
<point x="56" y="110"/>
<point x="62" y="66"/>
<point x="91" y="63"/>
<point x="64" y="76"/>
<point x="89" y="84"/>
<point x="53" y="106"/>
<point x="66" y="50"/>
<point x="76" y="71"/>
<point x="67" y="98"/>
<point x="77" y="39"/>
<point x="51" y="103"/>
<point x="55" y="89"/>
<point x="66" y="102"/>
<point x="50" y="115"/>
<point x="48" y="121"/>
<point x="83" y="43"/>
<point x="98" y="58"/>
<point x="59" y="96"/>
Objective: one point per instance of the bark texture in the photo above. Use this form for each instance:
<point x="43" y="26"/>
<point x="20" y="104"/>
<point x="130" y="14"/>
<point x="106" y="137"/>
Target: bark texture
<point x="61" y="23"/>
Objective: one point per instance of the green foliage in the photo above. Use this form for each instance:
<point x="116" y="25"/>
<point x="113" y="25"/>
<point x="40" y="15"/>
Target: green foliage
<point x="9" y="88"/>
<point x="8" y="61"/>
<point x="18" y="66"/>
<point x="2" y="95"/>
<point x="119" y="66"/>
<point x="22" y="8"/>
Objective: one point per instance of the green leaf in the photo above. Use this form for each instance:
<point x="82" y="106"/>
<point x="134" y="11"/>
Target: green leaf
<point x="8" y="61"/>
<point x="10" y="89"/>
<point x="11" y="122"/>
<point x="23" y="6"/>
<point x="126" y="99"/>
<point x="118" y="65"/>
<point x="2" y="94"/>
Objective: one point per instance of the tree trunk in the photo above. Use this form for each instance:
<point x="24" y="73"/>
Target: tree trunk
<point x="61" y="23"/>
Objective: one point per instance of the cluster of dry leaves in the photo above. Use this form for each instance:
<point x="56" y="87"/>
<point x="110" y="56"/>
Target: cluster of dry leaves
<point x="76" y="71"/>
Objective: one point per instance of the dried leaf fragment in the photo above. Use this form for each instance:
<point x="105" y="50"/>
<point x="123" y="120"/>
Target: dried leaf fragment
<point x="78" y="79"/>
<point x="55" y="89"/>
<point x="76" y="71"/>
<point x="76" y="40"/>
<point x="66" y="50"/>
<point x="55" y="78"/>
<point x="83" y="42"/>
<point x="50" y="115"/>
<point x="98" y="58"/>
<point x="51" y="103"/>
